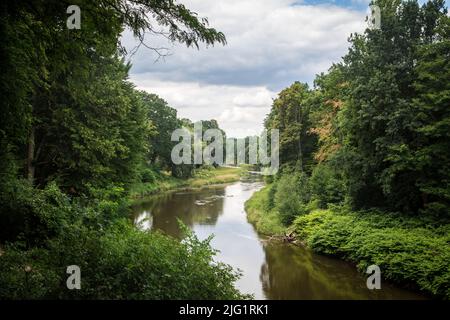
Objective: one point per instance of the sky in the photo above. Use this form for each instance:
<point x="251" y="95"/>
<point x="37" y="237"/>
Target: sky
<point x="270" y="44"/>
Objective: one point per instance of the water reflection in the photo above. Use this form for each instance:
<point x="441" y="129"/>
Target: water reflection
<point x="270" y="270"/>
<point x="292" y="272"/>
<point x="192" y="208"/>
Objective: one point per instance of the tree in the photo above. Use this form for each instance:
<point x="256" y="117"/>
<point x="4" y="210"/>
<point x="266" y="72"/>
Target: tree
<point x="328" y="98"/>
<point x="379" y="118"/>
<point x="290" y="115"/>
<point x="93" y="132"/>
<point x="428" y="156"/>
<point x="48" y="70"/>
<point x="164" y="121"/>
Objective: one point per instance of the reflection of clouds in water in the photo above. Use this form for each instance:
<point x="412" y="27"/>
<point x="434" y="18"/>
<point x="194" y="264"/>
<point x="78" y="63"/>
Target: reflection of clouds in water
<point x="144" y="221"/>
<point x="245" y="236"/>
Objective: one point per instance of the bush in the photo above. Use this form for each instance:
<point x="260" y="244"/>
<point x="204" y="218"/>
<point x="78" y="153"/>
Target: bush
<point x="33" y="214"/>
<point x="147" y="175"/>
<point x="406" y="251"/>
<point x="44" y="231"/>
<point x="292" y="196"/>
<point x="205" y="171"/>
<point x="121" y="263"/>
<point x="327" y="187"/>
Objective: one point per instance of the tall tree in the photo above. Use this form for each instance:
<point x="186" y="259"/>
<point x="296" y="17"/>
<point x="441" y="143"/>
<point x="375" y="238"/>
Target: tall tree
<point x="164" y="121"/>
<point x="428" y="156"/>
<point x="68" y="106"/>
<point x="290" y="115"/>
<point x="379" y="118"/>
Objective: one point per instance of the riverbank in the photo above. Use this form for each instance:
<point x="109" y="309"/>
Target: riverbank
<point x="203" y="177"/>
<point x="409" y="250"/>
<point x="265" y="220"/>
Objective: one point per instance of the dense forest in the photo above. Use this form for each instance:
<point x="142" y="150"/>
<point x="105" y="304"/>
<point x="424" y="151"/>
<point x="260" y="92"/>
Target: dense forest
<point x="76" y="140"/>
<point x="365" y="153"/>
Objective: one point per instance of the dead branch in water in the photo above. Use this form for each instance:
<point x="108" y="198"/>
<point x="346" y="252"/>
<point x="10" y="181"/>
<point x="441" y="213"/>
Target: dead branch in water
<point x="287" y="237"/>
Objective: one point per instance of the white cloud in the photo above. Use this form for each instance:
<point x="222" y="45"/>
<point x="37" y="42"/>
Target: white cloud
<point x="271" y="43"/>
<point x="240" y="111"/>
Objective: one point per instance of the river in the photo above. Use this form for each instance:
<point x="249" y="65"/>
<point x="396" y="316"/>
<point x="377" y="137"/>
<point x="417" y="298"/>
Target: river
<point x="270" y="270"/>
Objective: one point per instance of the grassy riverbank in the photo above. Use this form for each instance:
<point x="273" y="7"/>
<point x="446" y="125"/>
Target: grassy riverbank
<point x="202" y="177"/>
<point x="265" y="220"/>
<point x="410" y="251"/>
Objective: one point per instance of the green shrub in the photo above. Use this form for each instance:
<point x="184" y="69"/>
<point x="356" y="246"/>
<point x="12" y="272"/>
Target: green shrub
<point x="409" y="250"/>
<point x="326" y="186"/>
<point x="270" y="203"/>
<point x="148" y="175"/>
<point x="121" y="263"/>
<point x="204" y="171"/>
<point x="33" y="214"/>
<point x="292" y="196"/>
<point x="44" y="231"/>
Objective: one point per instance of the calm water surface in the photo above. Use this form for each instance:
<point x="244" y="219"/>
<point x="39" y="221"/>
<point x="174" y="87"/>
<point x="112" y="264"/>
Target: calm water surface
<point x="270" y="270"/>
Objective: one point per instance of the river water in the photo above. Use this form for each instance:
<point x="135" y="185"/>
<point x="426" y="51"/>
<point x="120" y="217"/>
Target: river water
<point x="270" y="270"/>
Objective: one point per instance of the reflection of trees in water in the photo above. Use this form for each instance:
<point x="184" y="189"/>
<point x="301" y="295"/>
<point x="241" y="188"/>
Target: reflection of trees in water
<point x="166" y="209"/>
<point x="296" y="273"/>
<point x="289" y="272"/>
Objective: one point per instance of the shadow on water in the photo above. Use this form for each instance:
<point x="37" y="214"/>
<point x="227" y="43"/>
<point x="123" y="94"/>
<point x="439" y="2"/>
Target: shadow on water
<point x="270" y="270"/>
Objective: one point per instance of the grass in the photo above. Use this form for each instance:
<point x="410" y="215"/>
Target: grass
<point x="202" y="177"/>
<point x="266" y="221"/>
<point x="163" y="182"/>
<point x="214" y="176"/>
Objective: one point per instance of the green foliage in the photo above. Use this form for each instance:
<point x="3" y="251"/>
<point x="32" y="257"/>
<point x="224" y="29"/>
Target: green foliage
<point x="326" y="185"/>
<point x="373" y="133"/>
<point x="374" y="130"/>
<point x="117" y="261"/>
<point x="147" y="175"/>
<point x="408" y="250"/>
<point x="383" y="121"/>
<point x="182" y="24"/>
<point x="79" y="147"/>
<point x="78" y="131"/>
<point x="120" y="263"/>
<point x="203" y="172"/>
<point x="429" y="156"/>
<point x="164" y="121"/>
<point x="162" y="182"/>
<point x="292" y="196"/>
<point x="32" y="215"/>
<point x="262" y="215"/>
<point x="290" y="115"/>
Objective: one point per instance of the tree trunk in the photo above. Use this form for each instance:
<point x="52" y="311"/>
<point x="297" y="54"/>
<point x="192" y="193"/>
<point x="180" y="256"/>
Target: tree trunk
<point x="30" y="156"/>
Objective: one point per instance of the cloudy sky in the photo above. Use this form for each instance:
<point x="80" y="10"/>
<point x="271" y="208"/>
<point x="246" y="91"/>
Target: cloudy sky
<point x="271" y="43"/>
